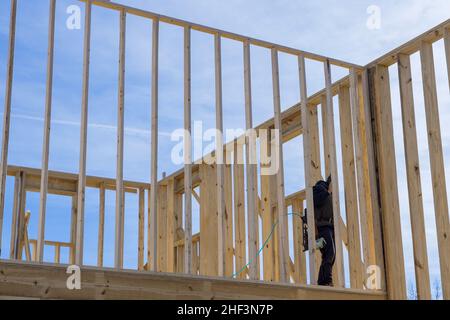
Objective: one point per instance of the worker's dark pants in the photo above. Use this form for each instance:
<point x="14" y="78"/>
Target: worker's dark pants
<point x="328" y="256"/>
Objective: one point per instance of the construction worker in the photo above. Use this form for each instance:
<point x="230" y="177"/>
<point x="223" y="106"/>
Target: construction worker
<point x="323" y="214"/>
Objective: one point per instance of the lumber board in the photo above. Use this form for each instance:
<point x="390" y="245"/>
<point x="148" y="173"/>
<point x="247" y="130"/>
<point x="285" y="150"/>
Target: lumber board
<point x="187" y="153"/>
<point x="81" y="186"/>
<point x="171" y="227"/>
<point x="413" y="179"/>
<point x="283" y="244"/>
<point x="208" y="221"/>
<point x="219" y="155"/>
<point x="339" y="263"/>
<point x="7" y="111"/>
<point x="350" y="189"/>
<point x="358" y="124"/>
<point x="228" y="221"/>
<point x="297" y="232"/>
<point x="162" y="229"/>
<point x="308" y="167"/>
<point x="141" y="228"/>
<point x="101" y="226"/>
<point x="15" y="217"/>
<point x="374" y="213"/>
<point x="436" y="164"/>
<point x="47" y="125"/>
<point x="395" y="267"/>
<point x="153" y="220"/>
<point x="225" y="34"/>
<point x="250" y="159"/>
<point x="239" y="211"/>
<point x="120" y="195"/>
<point x="73" y="229"/>
<point x="268" y="206"/>
<point x="30" y="280"/>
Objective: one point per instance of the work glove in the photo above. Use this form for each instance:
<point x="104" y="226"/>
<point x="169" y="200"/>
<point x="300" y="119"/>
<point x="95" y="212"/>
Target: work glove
<point x="320" y="243"/>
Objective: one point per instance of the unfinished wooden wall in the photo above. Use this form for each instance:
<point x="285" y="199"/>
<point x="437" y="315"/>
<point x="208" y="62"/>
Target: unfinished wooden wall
<point x="233" y="205"/>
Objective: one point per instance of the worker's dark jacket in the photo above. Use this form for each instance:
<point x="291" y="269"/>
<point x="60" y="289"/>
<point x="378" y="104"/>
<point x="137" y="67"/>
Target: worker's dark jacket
<point x="323" y="205"/>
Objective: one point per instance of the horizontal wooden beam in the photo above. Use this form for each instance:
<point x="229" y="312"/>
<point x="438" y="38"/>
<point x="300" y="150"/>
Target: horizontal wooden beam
<point x="225" y="34"/>
<point x="46" y="281"/>
<point x="69" y="178"/>
<point x="432" y="35"/>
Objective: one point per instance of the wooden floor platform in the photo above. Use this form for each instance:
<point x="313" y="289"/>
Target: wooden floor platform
<point x="48" y="281"/>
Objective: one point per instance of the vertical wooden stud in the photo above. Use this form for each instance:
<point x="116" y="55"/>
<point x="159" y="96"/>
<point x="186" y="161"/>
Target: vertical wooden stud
<point x="351" y="200"/>
<point x="187" y="154"/>
<point x="250" y="152"/>
<point x="436" y="164"/>
<point x="339" y="264"/>
<point x="141" y="228"/>
<point x="239" y="211"/>
<point x="101" y="225"/>
<point x="7" y="112"/>
<point x="219" y="155"/>
<point x="393" y="249"/>
<point x="47" y="124"/>
<point x="83" y="133"/>
<point x="282" y="217"/>
<point x="153" y="226"/>
<point x="413" y="177"/>
<point x="308" y="170"/>
<point x="120" y="195"/>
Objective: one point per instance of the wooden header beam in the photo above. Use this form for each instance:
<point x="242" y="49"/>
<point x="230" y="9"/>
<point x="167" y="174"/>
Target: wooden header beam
<point x="224" y="34"/>
<point x="412" y="46"/>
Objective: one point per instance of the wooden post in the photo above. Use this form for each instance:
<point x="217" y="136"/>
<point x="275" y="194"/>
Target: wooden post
<point x="101" y="225"/>
<point x="392" y="234"/>
<point x="228" y="217"/>
<point x="171" y="212"/>
<point x="179" y="232"/>
<point x="269" y="207"/>
<point x="436" y="164"/>
<point x="15" y="218"/>
<point x="339" y="264"/>
<point x="219" y="156"/>
<point x="326" y="148"/>
<point x="57" y="253"/>
<point x="141" y="228"/>
<point x="239" y="211"/>
<point x="187" y="154"/>
<point x="120" y="195"/>
<point x="299" y="256"/>
<point x="282" y="217"/>
<point x="374" y="214"/>
<point x="250" y="155"/>
<point x="309" y="182"/>
<point x="357" y="117"/>
<point x="351" y="201"/>
<point x="18" y="216"/>
<point x="73" y="229"/>
<point x="413" y="177"/>
<point x="153" y="226"/>
<point x="7" y="112"/>
<point x="47" y="124"/>
<point x="162" y="228"/>
<point x="83" y="134"/>
<point x="208" y="221"/>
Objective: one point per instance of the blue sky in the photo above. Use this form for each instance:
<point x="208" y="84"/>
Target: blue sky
<point x="332" y="28"/>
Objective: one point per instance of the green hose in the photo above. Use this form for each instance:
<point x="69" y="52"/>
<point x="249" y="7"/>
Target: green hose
<point x="264" y="244"/>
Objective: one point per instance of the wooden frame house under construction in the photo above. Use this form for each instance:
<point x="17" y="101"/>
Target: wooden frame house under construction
<point x="233" y="201"/>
